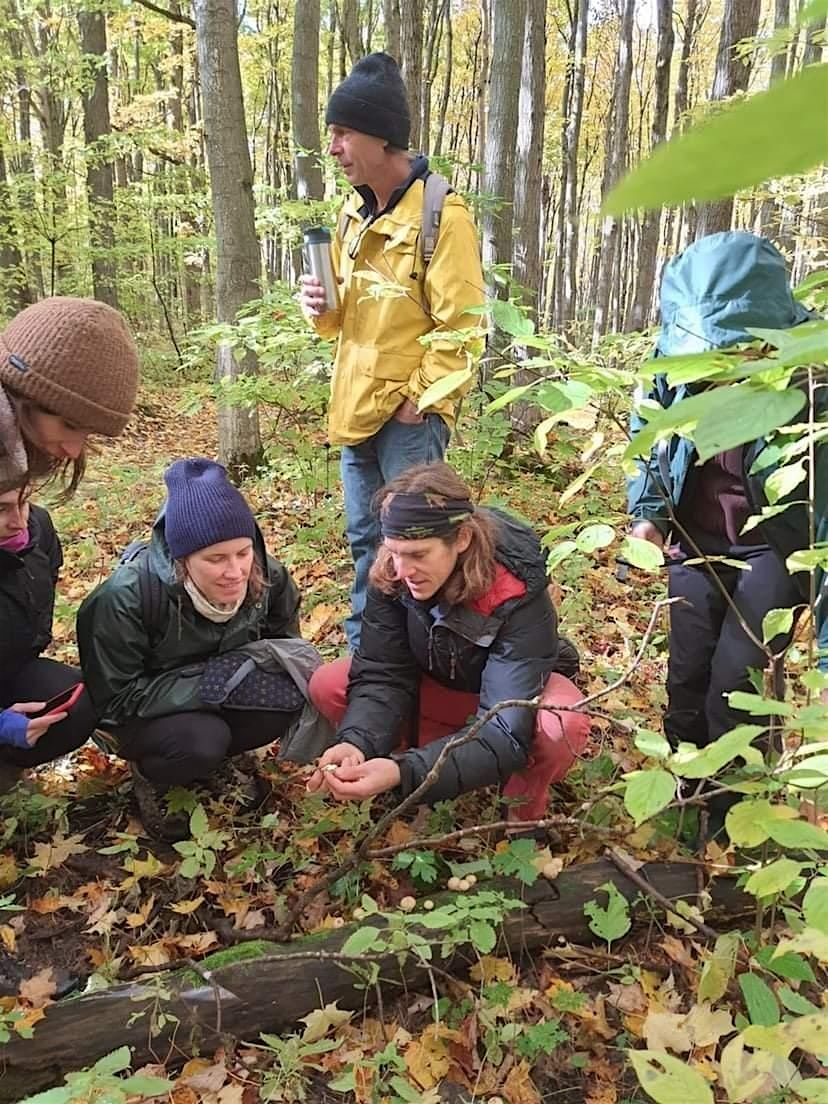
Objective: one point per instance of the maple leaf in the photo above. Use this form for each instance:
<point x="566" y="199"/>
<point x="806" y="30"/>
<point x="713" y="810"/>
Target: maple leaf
<point x="152" y="954"/>
<point x="150" y="867"/>
<point x="139" y="918"/>
<point x="323" y="1020"/>
<point x="519" y="1088"/>
<point x="8" y="937"/>
<point x="186" y="907"/>
<point x="56" y="851"/>
<point x="489" y="969"/>
<point x="39" y="989"/>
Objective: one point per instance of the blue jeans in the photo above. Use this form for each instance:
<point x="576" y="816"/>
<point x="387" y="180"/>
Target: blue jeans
<point x="366" y="468"/>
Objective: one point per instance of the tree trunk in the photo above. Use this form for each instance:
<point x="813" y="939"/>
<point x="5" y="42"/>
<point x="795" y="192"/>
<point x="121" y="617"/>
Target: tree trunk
<point x="769" y="213"/>
<point x="96" y="131"/>
<point x="238" y="262"/>
<point x="651" y="223"/>
<point x="411" y="50"/>
<point x="432" y="55"/>
<point x="741" y="20"/>
<point x="567" y="293"/>
<point x="446" y="95"/>
<point x="391" y="20"/>
<point x="479" y="154"/>
<point x="814" y="42"/>
<point x="349" y="18"/>
<point x="508" y="20"/>
<point x="527" y="252"/>
<point x="14" y="289"/>
<point x="305" y="101"/>
<point x="614" y="168"/>
<point x="266" y="990"/>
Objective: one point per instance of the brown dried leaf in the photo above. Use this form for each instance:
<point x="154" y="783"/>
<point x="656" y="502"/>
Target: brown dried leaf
<point x="519" y="1088"/>
<point x="39" y="989"/>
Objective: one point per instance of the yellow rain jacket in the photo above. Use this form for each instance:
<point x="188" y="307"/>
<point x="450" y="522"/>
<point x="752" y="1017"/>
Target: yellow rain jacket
<point x="379" y="361"/>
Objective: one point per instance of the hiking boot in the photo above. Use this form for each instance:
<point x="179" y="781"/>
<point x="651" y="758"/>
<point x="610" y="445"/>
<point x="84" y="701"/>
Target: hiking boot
<point x="159" y="825"/>
<point x="10" y="775"/>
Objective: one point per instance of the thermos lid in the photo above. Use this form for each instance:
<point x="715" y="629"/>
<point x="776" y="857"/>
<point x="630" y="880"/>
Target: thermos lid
<point x="318" y="235"/>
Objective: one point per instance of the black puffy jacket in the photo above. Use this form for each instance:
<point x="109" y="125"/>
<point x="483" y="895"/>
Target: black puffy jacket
<point x="27" y="595"/>
<point x="509" y="653"/>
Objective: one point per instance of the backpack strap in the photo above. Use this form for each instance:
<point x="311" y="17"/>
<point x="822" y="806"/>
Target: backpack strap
<point x="153" y="600"/>
<point x="434" y="196"/>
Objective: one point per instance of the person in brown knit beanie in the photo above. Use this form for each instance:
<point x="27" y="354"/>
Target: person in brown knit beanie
<point x="68" y="368"/>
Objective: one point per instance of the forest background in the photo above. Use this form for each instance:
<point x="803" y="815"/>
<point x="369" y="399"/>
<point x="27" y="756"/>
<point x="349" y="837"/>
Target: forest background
<point x="165" y="158"/>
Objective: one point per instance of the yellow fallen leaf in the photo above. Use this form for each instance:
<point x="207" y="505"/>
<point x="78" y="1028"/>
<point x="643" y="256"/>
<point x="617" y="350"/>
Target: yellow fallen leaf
<point x="8" y="870"/>
<point x="150" y="867"/>
<point x="519" y="1088"/>
<point x="322" y="1020"/>
<point x="489" y="969"/>
<point x="139" y="918"/>
<point x="186" y="907"/>
<point x="152" y="954"/>
<point x="427" y="1060"/>
<point x="8" y="937"/>
<point x="56" y="851"/>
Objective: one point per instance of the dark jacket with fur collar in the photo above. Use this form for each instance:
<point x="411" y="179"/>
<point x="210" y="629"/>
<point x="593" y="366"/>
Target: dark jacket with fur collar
<point x="509" y="653"/>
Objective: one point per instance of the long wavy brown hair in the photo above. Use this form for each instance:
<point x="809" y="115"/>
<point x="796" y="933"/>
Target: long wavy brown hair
<point x="43" y="468"/>
<point x="474" y="572"/>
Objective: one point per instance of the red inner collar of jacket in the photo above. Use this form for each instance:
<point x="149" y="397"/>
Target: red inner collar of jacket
<point x="505" y="586"/>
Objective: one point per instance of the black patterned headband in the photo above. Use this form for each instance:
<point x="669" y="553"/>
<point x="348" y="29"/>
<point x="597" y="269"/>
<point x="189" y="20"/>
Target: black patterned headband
<point x="419" y="516"/>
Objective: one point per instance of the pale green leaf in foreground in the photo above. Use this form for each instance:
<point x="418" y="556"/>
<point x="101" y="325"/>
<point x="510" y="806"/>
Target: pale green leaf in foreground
<point x="647" y="793"/>
<point x="776" y="621"/>
<point x="642" y="554"/>
<point x="443" y="388"/>
<point x="773" y="878"/>
<point x="668" y="1080"/>
<point x="733" y="149"/>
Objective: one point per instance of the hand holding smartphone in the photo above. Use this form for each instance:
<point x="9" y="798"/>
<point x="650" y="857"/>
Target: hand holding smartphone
<point x="60" y="703"/>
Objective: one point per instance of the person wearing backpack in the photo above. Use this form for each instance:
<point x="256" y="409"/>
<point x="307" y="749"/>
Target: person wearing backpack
<point x="712" y="295"/>
<point x="30" y="560"/>
<point x="395" y="229"/>
<point x="168" y="674"/>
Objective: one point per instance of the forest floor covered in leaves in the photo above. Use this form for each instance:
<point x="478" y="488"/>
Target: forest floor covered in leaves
<point x="87" y="900"/>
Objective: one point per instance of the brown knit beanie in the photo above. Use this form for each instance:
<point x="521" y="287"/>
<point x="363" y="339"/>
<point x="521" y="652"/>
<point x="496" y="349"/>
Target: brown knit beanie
<point x="75" y="358"/>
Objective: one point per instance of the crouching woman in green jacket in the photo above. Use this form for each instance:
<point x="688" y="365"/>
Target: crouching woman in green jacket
<point x="159" y="641"/>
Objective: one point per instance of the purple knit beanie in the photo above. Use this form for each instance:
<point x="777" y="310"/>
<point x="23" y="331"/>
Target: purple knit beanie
<point x="203" y="507"/>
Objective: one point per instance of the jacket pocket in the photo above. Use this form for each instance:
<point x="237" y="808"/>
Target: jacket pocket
<point x="386" y="365"/>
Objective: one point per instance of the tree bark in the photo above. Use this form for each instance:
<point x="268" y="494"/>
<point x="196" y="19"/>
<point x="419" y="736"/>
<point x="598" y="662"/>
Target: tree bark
<point x="238" y="261"/>
<point x="531" y="113"/>
<point x="568" y="282"/>
<point x="651" y="222"/>
<point x="99" y="177"/>
<point x="391" y="21"/>
<point x="349" y="18"/>
<point x="411" y="50"/>
<point x="15" y="287"/>
<point x="741" y="20"/>
<point x="508" y="20"/>
<point x="263" y="990"/>
<point x="614" y="168"/>
<point x="446" y="94"/>
<point x="305" y="101"/>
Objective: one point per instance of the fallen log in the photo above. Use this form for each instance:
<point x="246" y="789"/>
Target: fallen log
<point x="256" y="987"/>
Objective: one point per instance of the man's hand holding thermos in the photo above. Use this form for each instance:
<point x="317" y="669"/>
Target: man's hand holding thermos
<point x="318" y="287"/>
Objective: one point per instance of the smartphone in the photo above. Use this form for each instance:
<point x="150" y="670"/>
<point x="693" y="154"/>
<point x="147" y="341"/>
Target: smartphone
<point x="62" y="702"/>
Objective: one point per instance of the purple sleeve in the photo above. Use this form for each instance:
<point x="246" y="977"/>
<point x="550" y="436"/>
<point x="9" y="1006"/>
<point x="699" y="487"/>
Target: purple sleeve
<point x="13" y="728"/>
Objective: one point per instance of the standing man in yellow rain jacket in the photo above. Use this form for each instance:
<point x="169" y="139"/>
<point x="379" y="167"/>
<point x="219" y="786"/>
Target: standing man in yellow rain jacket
<point x="381" y="367"/>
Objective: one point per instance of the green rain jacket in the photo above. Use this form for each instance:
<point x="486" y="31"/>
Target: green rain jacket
<point x="131" y="670"/>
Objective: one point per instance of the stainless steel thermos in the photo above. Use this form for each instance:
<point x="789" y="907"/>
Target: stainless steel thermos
<point x="318" y="263"/>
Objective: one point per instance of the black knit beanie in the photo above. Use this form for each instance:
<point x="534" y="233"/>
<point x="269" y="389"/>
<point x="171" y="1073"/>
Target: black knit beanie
<point x="372" y="99"/>
<point x="203" y="507"/>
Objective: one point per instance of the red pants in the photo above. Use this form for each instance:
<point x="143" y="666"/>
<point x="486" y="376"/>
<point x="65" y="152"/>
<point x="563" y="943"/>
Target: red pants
<point x="559" y="736"/>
